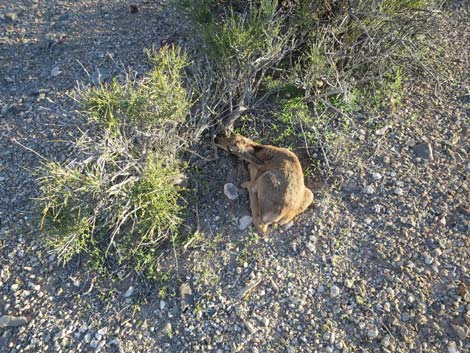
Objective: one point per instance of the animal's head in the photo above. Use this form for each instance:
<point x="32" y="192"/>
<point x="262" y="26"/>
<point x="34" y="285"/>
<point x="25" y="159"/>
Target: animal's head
<point x="234" y="143"/>
<point x="239" y="145"/>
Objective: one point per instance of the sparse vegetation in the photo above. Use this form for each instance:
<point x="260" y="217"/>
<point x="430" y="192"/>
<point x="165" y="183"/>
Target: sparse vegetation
<point x="314" y="64"/>
<point x="378" y="263"/>
<point x="121" y="200"/>
<point x="329" y="58"/>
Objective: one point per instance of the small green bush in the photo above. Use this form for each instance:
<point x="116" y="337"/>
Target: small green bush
<point x="119" y="201"/>
<point x="242" y="42"/>
<point x="158" y="99"/>
<point x="319" y="62"/>
<point x="333" y="51"/>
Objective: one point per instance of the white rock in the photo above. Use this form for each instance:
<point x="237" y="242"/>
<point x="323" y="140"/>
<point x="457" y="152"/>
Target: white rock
<point x="36" y="287"/>
<point x="386" y="341"/>
<point x="231" y="191"/>
<point x="377" y="176"/>
<point x="245" y="222"/>
<point x="167" y="329"/>
<point x="129" y="292"/>
<point x="100" y="345"/>
<point x="59" y="334"/>
<point x="55" y="71"/>
<point x="382" y="131"/>
<point x="334" y="291"/>
<point x="428" y="260"/>
<point x="332" y="337"/>
<point x="162" y="305"/>
<point x="369" y="189"/>
<point x="265" y="321"/>
<point x="87" y="337"/>
<point x="115" y="342"/>
<point x="443" y="221"/>
<point x="310" y="246"/>
<point x="288" y="226"/>
<point x="102" y="331"/>
<point x="94" y="343"/>
<point x="377" y="208"/>
<point x="398" y="191"/>
<point x="75" y="281"/>
<point x="373" y="332"/>
<point x="452" y="347"/>
<point x="250" y="327"/>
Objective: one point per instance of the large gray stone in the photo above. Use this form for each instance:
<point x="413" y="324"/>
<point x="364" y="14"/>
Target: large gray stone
<point x="423" y="151"/>
<point x="12" y="321"/>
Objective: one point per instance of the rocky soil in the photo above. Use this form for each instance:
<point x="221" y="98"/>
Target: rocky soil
<point x="379" y="264"/>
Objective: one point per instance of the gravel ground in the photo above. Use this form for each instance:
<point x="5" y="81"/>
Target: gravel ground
<point x="380" y="264"/>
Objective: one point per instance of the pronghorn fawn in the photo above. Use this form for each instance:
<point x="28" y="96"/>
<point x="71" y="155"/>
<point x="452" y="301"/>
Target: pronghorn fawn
<point x="276" y="186"/>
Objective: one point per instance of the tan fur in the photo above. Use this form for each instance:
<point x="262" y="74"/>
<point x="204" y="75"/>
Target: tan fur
<point x="276" y="186"/>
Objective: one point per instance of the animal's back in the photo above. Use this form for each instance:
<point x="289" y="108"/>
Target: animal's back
<point x="287" y="169"/>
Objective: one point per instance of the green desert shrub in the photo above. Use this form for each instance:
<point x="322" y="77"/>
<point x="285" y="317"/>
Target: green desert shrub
<point x="119" y="200"/>
<point x="159" y="99"/>
<point x="336" y="57"/>
<point x="240" y="42"/>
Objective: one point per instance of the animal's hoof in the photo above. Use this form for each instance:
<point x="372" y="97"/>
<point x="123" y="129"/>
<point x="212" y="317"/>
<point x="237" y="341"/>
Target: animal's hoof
<point x="263" y="228"/>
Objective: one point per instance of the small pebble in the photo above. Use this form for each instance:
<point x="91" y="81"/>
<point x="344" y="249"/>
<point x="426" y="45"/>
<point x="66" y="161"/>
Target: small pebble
<point x="460" y="331"/>
<point x="55" y="72"/>
<point x="428" y="260"/>
<point x="102" y="331"/>
<point x="310" y="246"/>
<point x="245" y="222"/>
<point x="386" y="341"/>
<point x="377" y="176"/>
<point x="250" y="327"/>
<point x="167" y="329"/>
<point x="382" y="131"/>
<point x="398" y="191"/>
<point x="334" y="291"/>
<point x="372" y="332"/>
<point x="129" y="292"/>
<point x="231" y="191"/>
<point x="452" y="347"/>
